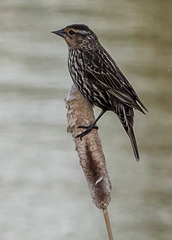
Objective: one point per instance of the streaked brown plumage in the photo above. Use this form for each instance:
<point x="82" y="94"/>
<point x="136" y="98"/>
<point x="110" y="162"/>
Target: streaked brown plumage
<point x="99" y="80"/>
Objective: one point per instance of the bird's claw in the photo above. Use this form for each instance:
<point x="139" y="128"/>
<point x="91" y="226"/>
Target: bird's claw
<point x="81" y="135"/>
<point x="89" y="129"/>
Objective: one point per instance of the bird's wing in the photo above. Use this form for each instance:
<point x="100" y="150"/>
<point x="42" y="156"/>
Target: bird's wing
<point x="101" y="66"/>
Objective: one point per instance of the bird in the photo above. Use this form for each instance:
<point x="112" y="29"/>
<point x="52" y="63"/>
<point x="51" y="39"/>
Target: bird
<point x="98" y="78"/>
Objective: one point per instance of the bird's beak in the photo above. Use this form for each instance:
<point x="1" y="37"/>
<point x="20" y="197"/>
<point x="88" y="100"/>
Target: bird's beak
<point x="60" y="32"/>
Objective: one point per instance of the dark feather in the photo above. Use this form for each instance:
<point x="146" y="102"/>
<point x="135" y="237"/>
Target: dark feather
<point x="104" y="69"/>
<point x="126" y="115"/>
<point x="79" y="27"/>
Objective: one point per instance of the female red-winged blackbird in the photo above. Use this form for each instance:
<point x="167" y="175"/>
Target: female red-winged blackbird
<point x="97" y="77"/>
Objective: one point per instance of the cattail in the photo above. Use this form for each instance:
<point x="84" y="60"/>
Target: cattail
<point x="89" y="149"/>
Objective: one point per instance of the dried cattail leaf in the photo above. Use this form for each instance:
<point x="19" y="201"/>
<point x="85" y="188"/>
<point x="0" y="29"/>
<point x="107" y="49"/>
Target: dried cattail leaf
<point x="89" y="149"/>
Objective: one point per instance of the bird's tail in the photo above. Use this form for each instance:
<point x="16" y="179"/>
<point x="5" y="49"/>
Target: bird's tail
<point x="126" y="115"/>
<point x="131" y="135"/>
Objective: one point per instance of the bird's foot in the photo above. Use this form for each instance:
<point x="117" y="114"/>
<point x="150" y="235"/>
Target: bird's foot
<point x="88" y="130"/>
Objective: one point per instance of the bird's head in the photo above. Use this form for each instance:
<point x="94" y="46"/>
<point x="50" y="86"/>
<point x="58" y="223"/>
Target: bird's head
<point x="78" y="36"/>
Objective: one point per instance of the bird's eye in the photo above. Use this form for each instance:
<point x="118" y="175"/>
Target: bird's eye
<point x="71" y="32"/>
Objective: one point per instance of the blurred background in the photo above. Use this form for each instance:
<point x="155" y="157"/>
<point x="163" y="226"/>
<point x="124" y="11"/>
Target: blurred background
<point x="43" y="193"/>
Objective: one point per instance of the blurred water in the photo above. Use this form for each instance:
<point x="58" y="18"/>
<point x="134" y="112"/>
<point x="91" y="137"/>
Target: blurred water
<point x="43" y="194"/>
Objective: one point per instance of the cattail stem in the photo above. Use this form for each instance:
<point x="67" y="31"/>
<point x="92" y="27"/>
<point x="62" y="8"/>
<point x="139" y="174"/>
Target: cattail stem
<point x="107" y="221"/>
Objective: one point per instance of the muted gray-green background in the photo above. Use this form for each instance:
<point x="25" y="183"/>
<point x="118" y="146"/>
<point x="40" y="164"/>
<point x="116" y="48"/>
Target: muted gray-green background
<point x="43" y="193"/>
